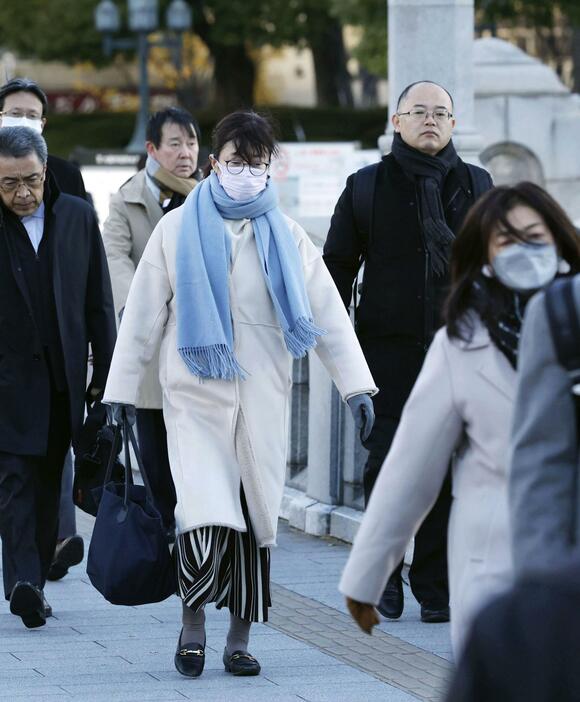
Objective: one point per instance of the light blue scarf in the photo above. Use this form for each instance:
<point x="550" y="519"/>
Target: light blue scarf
<point x="204" y="325"/>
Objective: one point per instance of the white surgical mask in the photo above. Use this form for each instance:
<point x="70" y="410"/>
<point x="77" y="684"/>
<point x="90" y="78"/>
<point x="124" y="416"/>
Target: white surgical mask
<point x="36" y="124"/>
<point x="526" y="267"/>
<point x="242" y="186"/>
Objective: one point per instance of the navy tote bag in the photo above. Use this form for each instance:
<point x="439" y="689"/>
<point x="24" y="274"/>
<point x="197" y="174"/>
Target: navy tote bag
<point x="129" y="561"/>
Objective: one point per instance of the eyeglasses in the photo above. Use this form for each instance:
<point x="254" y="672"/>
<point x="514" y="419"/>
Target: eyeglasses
<point x="18" y="114"/>
<point x="419" y="115"/>
<point x="31" y="182"/>
<point x="236" y="167"/>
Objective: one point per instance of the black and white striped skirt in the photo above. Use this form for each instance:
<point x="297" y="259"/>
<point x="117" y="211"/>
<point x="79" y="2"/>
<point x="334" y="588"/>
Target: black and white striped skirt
<point x="219" y="564"/>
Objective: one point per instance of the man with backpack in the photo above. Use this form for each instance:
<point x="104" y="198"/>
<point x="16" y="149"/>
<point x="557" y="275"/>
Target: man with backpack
<point x="399" y="217"/>
<point x="544" y="485"/>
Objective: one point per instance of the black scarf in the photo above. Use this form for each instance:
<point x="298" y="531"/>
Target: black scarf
<point x="430" y="172"/>
<point x="502" y="311"/>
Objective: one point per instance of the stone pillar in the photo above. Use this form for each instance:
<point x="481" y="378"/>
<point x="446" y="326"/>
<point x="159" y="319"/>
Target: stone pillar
<point x="321" y="433"/>
<point x="433" y="40"/>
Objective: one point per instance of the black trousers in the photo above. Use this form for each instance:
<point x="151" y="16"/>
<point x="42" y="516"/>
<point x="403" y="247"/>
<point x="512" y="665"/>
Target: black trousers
<point x="153" y="446"/>
<point x="29" y="502"/>
<point x="428" y="572"/>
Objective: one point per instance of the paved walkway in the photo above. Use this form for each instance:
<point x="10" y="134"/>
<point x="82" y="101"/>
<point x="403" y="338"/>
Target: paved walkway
<point x="310" y="650"/>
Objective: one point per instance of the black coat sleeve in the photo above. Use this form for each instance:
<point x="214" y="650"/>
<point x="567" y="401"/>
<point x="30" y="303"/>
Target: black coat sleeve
<point x="343" y="250"/>
<point x="99" y="309"/>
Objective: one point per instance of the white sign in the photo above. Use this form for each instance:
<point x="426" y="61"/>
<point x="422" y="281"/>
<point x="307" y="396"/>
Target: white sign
<point x="102" y="182"/>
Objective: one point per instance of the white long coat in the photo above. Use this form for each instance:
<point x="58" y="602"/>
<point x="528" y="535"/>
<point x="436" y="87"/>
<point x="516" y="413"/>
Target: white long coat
<point x="461" y="407"/>
<point x="222" y="432"/>
<point x="133" y="215"/>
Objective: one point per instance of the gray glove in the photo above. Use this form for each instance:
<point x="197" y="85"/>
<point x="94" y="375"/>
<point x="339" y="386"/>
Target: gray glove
<point x="118" y="409"/>
<point x="363" y="414"/>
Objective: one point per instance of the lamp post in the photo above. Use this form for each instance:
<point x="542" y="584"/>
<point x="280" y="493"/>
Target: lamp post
<point x="143" y="19"/>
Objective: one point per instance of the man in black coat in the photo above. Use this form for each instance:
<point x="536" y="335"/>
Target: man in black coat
<point x="55" y="299"/>
<point x="24" y="104"/>
<point x="399" y="217"/>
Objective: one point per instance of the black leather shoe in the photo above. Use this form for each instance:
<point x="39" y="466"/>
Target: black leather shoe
<point x="392" y="600"/>
<point x="189" y="658"/>
<point x="434" y="614"/>
<point x="240" y="663"/>
<point x="68" y="553"/>
<point x="27" y="602"/>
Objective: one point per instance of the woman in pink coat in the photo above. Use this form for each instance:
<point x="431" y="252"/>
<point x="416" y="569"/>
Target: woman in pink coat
<point x="514" y="241"/>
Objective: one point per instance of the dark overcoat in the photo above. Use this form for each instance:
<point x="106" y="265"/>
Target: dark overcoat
<point x="68" y="177"/>
<point x="84" y="308"/>
<point x="400" y="306"/>
<point x="523" y="647"/>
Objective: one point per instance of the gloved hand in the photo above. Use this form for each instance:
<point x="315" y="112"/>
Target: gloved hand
<point x="363" y="414"/>
<point x="117" y="409"/>
<point x="93" y="394"/>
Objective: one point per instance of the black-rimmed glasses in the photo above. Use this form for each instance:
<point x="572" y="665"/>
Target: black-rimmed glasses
<point x="419" y="115"/>
<point x="235" y="167"/>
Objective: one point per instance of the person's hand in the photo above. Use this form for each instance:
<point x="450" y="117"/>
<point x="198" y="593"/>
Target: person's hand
<point x="363" y="414"/>
<point x="365" y="615"/>
<point x="93" y="394"/>
<point x="119" y="411"/>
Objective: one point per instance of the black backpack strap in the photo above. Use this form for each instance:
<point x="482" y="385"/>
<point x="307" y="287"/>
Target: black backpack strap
<point x="565" y="329"/>
<point x="480" y="180"/>
<point x="363" y="193"/>
<point x="564" y="325"/>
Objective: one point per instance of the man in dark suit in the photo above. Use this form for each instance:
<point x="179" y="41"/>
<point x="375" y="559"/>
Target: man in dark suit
<point x="24" y="104"/>
<point x="55" y="299"/>
<point x="400" y="217"/>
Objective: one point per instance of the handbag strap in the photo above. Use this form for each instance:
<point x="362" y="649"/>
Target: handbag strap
<point x="130" y="439"/>
<point x="114" y="452"/>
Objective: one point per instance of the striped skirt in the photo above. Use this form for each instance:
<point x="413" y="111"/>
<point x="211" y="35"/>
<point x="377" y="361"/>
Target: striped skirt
<point x="221" y="565"/>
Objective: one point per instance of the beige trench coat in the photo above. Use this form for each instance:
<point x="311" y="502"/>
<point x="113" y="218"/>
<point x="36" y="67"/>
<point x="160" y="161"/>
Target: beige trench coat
<point x="133" y="215"/>
<point x="222" y="432"/>
<point x="461" y="407"/>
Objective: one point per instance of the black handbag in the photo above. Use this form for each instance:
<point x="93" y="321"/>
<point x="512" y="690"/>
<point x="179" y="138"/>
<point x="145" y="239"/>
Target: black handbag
<point x="92" y="453"/>
<point x="129" y="561"/>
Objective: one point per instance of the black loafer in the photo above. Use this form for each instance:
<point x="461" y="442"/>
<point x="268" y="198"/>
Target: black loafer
<point x="189" y="659"/>
<point x="241" y="663"/>
<point x="68" y="553"/>
<point x="392" y="600"/>
<point x="434" y="614"/>
<point x="27" y="602"/>
<point x="47" y="607"/>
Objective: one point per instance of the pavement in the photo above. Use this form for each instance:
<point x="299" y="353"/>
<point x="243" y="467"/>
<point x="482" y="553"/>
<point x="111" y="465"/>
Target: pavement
<point x="310" y="650"/>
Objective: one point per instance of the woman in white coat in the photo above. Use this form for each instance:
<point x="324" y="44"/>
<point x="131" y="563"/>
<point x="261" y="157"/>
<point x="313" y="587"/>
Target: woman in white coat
<point x="232" y="290"/>
<point x="513" y="242"/>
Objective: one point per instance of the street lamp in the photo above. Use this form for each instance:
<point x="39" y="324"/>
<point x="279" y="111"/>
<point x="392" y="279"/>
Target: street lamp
<point x="143" y="19"/>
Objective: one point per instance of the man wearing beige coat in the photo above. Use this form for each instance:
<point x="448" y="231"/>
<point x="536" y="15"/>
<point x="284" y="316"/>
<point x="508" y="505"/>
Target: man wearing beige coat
<point x="168" y="177"/>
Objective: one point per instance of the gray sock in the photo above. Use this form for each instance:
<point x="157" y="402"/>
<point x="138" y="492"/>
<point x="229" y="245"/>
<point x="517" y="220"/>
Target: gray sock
<point x="193" y="626"/>
<point x="238" y="635"/>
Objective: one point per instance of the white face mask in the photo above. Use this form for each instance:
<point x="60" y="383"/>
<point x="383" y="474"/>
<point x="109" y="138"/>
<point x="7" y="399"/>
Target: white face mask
<point x="525" y="267"/>
<point x="35" y="124"/>
<point x="244" y="185"/>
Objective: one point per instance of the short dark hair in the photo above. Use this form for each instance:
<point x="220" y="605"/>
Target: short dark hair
<point x="175" y="115"/>
<point x="470" y="248"/>
<point x="18" y="142"/>
<point x="407" y="90"/>
<point x="23" y="85"/>
<point x="251" y="132"/>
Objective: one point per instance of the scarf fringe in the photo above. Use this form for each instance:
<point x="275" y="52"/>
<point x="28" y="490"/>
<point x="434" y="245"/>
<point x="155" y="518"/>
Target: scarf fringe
<point x="215" y="361"/>
<point x="303" y="337"/>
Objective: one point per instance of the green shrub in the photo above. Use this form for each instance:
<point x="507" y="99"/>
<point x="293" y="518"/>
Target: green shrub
<point x="113" y="130"/>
